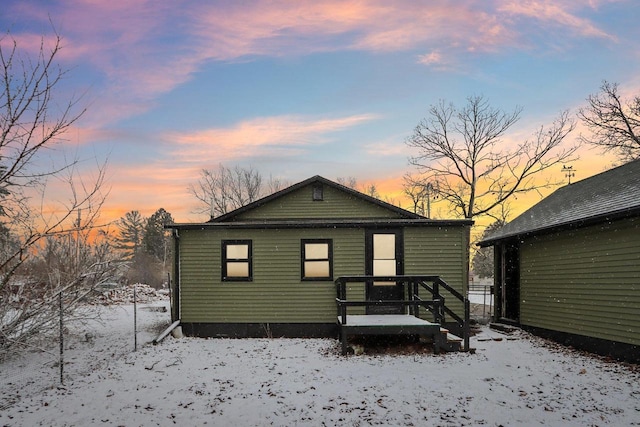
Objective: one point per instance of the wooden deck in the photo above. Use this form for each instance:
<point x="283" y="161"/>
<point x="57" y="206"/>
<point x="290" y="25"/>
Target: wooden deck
<point x="422" y="295"/>
<point x="384" y="324"/>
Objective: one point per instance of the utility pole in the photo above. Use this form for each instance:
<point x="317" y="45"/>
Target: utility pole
<point x="78" y="238"/>
<point x="429" y="188"/>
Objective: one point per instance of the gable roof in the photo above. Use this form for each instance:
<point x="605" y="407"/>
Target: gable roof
<point x="230" y="216"/>
<point x="609" y="195"/>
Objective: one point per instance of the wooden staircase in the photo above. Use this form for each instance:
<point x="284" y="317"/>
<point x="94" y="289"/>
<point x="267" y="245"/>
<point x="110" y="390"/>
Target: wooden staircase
<point x="419" y="292"/>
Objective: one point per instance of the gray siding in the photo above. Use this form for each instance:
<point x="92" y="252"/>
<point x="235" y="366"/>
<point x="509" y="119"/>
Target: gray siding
<point x="585" y="282"/>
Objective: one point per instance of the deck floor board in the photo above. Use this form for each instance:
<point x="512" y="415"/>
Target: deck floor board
<point x="384" y="320"/>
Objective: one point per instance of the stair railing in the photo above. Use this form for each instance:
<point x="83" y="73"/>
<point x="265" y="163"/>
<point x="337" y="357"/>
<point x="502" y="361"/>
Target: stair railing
<point x="436" y="304"/>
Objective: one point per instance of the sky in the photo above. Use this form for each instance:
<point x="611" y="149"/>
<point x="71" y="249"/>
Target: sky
<point x="301" y="88"/>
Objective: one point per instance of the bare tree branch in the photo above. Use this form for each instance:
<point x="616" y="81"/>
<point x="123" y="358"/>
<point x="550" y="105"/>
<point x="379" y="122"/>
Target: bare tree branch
<point x="614" y="123"/>
<point x="276" y="184"/>
<point x="47" y="249"/>
<point x="224" y="189"/>
<point x="30" y="117"/>
<point x="463" y="152"/>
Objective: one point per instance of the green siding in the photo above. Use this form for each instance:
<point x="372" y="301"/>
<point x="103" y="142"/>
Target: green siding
<point x="584" y="282"/>
<point x="277" y="294"/>
<point x="440" y="251"/>
<point x="299" y="204"/>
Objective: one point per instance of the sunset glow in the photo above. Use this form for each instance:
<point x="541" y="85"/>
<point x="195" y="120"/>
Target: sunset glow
<point x="296" y="89"/>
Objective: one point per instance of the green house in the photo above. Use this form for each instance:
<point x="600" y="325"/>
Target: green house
<point x="569" y="267"/>
<point x="269" y="268"/>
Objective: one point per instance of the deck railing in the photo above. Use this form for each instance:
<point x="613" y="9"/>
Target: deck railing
<point x="414" y="288"/>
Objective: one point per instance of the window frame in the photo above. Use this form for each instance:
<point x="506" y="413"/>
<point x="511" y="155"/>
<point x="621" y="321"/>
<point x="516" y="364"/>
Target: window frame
<point x="303" y="259"/>
<point x="225" y="260"/>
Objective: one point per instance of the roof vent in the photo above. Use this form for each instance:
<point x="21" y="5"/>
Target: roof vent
<point x="317" y="193"/>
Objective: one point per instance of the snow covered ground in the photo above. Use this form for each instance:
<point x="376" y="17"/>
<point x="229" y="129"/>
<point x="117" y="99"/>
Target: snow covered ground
<point x="510" y="380"/>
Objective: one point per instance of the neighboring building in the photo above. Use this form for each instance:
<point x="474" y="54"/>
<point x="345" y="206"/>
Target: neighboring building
<point x="569" y="267"/>
<point x="269" y="268"/>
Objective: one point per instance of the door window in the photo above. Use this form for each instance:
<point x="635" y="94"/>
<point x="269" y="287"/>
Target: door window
<point x="384" y="257"/>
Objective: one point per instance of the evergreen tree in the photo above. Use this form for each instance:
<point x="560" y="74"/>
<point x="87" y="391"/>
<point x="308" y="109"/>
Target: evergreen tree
<point x="154" y="241"/>
<point x="131" y="227"/>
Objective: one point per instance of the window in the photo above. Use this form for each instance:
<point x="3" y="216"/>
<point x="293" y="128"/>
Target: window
<point x="236" y="260"/>
<point x="317" y="259"/>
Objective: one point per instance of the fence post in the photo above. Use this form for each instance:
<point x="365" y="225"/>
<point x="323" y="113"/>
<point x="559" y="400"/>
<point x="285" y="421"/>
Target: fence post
<point x="135" y="318"/>
<point x="60" y="306"/>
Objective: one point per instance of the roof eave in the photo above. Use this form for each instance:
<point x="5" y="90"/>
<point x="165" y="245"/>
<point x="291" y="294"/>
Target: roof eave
<point x="583" y="222"/>
<point x="320" y="223"/>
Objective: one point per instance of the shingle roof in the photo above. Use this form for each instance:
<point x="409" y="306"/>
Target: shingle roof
<point x="611" y="194"/>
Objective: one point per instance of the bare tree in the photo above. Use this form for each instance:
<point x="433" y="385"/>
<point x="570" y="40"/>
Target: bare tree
<point x="614" y="123"/>
<point x="370" y="190"/>
<point x="421" y="191"/>
<point x="462" y="152"/>
<point x="33" y="120"/>
<point x="70" y="266"/>
<point x="349" y="181"/>
<point x="413" y="187"/>
<point x="51" y="255"/>
<point x="30" y="118"/>
<point x="276" y="184"/>
<point x="224" y="189"/>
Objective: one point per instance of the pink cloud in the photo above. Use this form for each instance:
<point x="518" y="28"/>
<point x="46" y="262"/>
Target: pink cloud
<point x="438" y="60"/>
<point x="28" y="43"/>
<point x="555" y="13"/>
<point x="145" y="48"/>
<point x="277" y="28"/>
<point x="283" y="134"/>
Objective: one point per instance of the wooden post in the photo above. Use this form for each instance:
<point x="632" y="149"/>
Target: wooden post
<point x="416" y="298"/>
<point x="466" y="327"/>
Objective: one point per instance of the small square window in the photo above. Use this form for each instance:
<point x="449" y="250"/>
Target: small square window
<point x="237" y="260"/>
<point x="318" y="193"/>
<point x="317" y="259"/>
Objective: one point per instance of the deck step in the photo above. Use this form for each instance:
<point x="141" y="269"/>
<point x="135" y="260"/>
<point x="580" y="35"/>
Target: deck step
<point x="447" y="342"/>
<point x="450" y="336"/>
<point x="453" y="338"/>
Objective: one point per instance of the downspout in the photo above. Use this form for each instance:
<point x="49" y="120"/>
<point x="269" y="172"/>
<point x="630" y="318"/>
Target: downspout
<point x="166" y="332"/>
